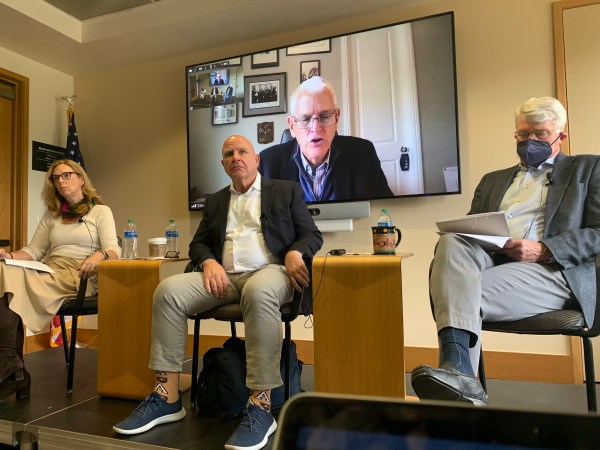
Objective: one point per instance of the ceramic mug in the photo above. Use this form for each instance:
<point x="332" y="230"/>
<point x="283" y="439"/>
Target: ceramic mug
<point x="385" y="240"/>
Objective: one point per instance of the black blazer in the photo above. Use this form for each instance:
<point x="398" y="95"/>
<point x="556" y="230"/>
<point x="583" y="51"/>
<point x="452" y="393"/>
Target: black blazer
<point x="286" y="223"/>
<point x="356" y="170"/>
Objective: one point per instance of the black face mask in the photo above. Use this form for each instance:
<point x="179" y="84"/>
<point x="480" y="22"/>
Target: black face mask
<point x="533" y="152"/>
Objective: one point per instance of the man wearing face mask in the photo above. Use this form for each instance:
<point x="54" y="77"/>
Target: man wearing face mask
<point x="552" y="204"/>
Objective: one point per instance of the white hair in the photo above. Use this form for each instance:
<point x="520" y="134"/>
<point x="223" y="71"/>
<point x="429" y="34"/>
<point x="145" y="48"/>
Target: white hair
<point x="542" y="109"/>
<point x="312" y="86"/>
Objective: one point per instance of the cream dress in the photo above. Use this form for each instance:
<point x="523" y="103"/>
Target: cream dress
<point x="37" y="296"/>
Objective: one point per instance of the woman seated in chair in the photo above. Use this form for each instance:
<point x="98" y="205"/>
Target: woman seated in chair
<point x="74" y="235"/>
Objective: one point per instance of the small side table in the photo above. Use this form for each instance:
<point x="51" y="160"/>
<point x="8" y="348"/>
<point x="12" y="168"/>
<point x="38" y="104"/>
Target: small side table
<point x="359" y="332"/>
<point x="125" y="290"/>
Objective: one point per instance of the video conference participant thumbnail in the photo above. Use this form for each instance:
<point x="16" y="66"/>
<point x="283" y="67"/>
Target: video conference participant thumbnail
<point x="327" y="165"/>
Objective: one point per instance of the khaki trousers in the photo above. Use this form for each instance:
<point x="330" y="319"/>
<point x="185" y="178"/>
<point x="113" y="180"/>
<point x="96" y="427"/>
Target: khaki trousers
<point x="260" y="294"/>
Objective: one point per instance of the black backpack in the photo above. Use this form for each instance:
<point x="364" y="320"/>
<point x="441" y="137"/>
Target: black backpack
<point x="222" y="391"/>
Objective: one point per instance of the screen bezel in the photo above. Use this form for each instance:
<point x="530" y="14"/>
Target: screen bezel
<point x="440" y="423"/>
<point x="453" y="138"/>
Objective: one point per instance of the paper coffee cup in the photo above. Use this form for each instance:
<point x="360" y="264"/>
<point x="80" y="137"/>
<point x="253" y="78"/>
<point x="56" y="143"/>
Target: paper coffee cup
<point x="157" y="247"/>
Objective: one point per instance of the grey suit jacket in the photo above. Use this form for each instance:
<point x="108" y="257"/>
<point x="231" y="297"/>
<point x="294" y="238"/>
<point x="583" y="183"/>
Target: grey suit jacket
<point x="572" y="219"/>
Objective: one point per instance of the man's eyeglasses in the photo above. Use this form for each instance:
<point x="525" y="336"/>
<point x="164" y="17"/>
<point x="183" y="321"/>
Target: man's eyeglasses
<point x="540" y="135"/>
<point x="325" y="119"/>
<point x="172" y="254"/>
<point x="66" y="176"/>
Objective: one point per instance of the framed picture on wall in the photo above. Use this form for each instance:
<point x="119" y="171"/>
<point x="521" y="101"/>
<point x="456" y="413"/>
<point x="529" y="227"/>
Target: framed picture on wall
<point x="224" y="114"/>
<point x="265" y="94"/>
<point x="323" y="46"/>
<point x="265" y="59"/>
<point x="265" y="132"/>
<point x="309" y="69"/>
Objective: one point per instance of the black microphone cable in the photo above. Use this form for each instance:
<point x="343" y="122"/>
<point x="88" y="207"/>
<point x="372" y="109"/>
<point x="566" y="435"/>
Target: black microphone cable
<point x="90" y="233"/>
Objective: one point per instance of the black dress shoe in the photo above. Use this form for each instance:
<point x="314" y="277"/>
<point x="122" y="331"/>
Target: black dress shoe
<point x="447" y="383"/>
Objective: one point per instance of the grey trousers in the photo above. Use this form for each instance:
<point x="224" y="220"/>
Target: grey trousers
<point x="467" y="287"/>
<point x="260" y="294"/>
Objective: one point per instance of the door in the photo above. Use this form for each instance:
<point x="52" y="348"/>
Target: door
<point x="383" y="102"/>
<point x="14" y="98"/>
<point x="7" y="96"/>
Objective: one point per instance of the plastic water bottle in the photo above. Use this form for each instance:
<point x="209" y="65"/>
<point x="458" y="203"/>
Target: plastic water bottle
<point x="385" y="219"/>
<point x="172" y="234"/>
<point x="130" y="244"/>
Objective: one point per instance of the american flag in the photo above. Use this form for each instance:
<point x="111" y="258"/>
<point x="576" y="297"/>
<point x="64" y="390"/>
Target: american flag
<point x="73" y="150"/>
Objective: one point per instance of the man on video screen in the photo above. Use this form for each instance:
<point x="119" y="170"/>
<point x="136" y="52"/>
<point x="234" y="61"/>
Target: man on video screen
<point x="327" y="165"/>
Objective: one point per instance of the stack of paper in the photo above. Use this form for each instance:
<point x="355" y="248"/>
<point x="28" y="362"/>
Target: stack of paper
<point x="36" y="265"/>
<point x="489" y="229"/>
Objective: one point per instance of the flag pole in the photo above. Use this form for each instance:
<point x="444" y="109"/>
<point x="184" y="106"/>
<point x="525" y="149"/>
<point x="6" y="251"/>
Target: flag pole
<point x="72" y="147"/>
<point x="70" y="99"/>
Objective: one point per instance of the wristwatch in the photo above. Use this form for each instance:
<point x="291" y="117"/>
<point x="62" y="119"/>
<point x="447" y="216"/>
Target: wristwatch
<point x="104" y="253"/>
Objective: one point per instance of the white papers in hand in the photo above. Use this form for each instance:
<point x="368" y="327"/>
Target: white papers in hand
<point x="35" y="265"/>
<point x="489" y="229"/>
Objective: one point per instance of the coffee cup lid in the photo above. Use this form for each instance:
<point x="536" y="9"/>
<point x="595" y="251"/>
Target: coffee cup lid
<point x="157" y="240"/>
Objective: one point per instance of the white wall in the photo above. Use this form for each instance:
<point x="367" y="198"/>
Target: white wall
<point x="47" y="118"/>
<point x="131" y="124"/>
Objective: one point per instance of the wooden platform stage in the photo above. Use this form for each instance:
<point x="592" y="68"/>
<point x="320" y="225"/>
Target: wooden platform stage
<point x="53" y="419"/>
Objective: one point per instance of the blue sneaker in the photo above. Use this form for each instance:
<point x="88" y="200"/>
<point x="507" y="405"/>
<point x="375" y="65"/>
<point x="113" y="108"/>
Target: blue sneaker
<point x="151" y="412"/>
<point x="254" y="430"/>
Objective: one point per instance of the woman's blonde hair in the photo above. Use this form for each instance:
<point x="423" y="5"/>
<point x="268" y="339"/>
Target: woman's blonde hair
<point x="52" y="197"/>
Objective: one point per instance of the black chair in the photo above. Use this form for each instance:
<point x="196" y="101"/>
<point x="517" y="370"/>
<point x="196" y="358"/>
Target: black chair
<point x="286" y="136"/>
<point x="233" y="313"/>
<point x="565" y="322"/>
<point x="78" y="306"/>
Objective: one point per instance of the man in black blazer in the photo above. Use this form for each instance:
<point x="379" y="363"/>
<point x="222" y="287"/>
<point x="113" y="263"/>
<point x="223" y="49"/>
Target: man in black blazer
<point x="249" y="249"/>
<point x="552" y="204"/>
<point x="328" y="166"/>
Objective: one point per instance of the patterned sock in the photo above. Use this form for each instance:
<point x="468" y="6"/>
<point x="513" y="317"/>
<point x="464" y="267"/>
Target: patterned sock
<point x="261" y="398"/>
<point x="454" y="349"/>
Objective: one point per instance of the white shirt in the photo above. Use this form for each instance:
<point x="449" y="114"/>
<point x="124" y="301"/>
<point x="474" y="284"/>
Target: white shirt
<point x="244" y="248"/>
<point x="525" y="200"/>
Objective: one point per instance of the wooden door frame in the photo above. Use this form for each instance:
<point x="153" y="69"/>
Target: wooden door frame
<point x="558" y="8"/>
<point x="19" y="160"/>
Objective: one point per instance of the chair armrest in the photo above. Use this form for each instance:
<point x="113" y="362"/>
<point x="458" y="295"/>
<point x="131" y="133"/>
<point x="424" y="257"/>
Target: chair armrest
<point x="189" y="267"/>
<point x="80" y="295"/>
<point x="294" y="308"/>
<point x="300" y="297"/>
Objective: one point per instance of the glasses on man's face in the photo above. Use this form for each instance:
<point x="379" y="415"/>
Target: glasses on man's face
<point x="325" y="119"/>
<point x="540" y="135"/>
<point x="66" y="176"/>
<point x="172" y="254"/>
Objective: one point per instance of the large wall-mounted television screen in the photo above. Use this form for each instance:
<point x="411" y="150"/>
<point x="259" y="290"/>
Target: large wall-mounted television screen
<point x="395" y="87"/>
